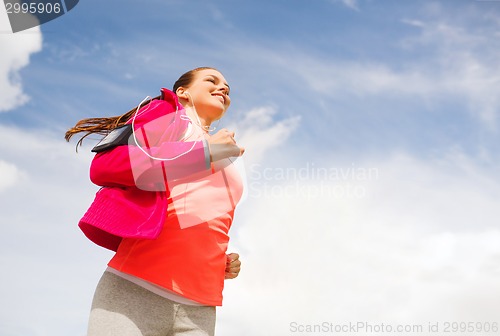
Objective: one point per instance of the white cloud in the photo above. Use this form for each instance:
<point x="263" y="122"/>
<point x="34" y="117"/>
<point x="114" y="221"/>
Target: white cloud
<point x="9" y="175"/>
<point x="351" y="4"/>
<point x="258" y="131"/>
<point x="41" y="240"/>
<point x="16" y="51"/>
<point x="370" y="78"/>
<point x="463" y="77"/>
<point x="466" y="63"/>
<point x="422" y="245"/>
<point x="461" y="65"/>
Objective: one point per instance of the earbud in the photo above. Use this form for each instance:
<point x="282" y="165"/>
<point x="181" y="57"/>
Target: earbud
<point x="184" y="94"/>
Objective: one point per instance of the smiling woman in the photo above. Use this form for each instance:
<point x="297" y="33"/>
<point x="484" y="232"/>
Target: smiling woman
<point x="203" y="87"/>
<point x="166" y="210"/>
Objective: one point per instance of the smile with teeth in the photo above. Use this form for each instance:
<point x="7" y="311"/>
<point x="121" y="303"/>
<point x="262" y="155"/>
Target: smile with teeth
<point x="220" y="97"/>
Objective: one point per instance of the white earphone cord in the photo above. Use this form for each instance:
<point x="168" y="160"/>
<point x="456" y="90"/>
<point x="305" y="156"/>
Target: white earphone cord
<point x="137" y="142"/>
<point x="205" y="128"/>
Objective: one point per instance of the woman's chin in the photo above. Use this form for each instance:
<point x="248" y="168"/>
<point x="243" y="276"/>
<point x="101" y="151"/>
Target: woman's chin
<point x="217" y="112"/>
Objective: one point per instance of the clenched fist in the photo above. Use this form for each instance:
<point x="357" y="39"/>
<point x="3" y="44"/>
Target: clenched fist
<point x="233" y="265"/>
<point x="222" y="145"/>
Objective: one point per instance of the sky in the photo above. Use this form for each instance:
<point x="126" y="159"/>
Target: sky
<point x="371" y="130"/>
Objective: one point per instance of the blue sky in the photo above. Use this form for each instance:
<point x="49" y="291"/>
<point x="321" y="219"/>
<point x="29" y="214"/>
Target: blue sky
<point x="408" y="90"/>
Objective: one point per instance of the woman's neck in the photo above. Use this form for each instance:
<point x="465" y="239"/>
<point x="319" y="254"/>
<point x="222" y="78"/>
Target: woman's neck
<point x="201" y="121"/>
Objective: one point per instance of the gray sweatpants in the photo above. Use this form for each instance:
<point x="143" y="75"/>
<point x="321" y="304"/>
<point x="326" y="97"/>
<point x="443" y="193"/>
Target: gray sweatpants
<point x="122" y="308"/>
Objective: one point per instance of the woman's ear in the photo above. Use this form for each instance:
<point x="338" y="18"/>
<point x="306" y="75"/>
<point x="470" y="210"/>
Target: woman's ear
<point x="182" y="93"/>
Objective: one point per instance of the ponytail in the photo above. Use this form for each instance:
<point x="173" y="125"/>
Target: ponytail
<point x="100" y="126"/>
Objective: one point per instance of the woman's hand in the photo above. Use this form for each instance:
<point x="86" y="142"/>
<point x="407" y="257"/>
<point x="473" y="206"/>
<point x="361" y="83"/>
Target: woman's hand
<point x="233" y="265"/>
<point x="222" y="145"/>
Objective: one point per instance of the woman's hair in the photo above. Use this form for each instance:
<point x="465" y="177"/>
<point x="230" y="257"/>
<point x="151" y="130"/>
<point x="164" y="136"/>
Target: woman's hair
<point x="186" y="79"/>
<point x="104" y="125"/>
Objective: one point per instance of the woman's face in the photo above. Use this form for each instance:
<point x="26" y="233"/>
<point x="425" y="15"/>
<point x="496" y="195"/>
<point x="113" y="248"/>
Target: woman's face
<point x="209" y="93"/>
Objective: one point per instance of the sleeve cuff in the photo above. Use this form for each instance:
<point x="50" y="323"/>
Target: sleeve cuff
<point x="207" y="153"/>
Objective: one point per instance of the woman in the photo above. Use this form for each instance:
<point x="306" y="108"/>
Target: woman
<point x="166" y="206"/>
